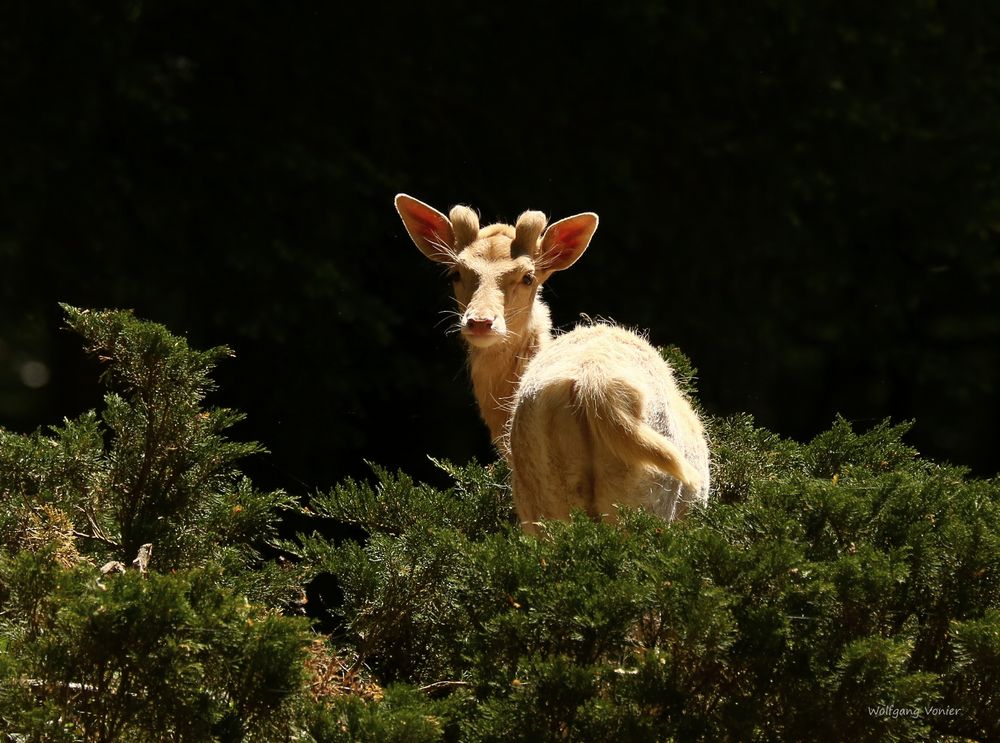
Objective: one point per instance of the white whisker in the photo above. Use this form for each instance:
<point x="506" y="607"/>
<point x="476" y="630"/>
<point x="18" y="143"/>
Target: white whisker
<point x="444" y="250"/>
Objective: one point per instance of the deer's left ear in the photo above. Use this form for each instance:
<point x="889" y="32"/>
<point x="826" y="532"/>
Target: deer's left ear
<point x="565" y="241"/>
<point x="429" y="229"/>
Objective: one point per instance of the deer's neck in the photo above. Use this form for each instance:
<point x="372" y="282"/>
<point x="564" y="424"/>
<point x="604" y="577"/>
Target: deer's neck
<point x="496" y="371"/>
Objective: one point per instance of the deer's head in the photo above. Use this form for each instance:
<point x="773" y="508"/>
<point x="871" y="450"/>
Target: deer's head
<point x="496" y="271"/>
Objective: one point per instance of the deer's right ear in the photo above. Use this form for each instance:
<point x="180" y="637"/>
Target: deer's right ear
<point x="429" y="229"/>
<point x="564" y="242"/>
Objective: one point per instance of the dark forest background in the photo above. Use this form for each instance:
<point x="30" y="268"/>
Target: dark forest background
<point x="805" y="197"/>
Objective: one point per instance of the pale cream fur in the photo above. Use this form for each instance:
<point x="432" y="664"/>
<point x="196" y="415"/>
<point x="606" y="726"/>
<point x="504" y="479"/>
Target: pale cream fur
<point x="587" y="419"/>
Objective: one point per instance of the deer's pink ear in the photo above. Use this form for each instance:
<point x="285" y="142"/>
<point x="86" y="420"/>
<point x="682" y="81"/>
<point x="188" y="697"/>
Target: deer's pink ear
<point x="564" y="241"/>
<point x="429" y="229"/>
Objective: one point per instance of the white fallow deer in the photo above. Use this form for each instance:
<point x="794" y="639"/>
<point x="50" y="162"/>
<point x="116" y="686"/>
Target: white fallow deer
<point x="586" y="419"/>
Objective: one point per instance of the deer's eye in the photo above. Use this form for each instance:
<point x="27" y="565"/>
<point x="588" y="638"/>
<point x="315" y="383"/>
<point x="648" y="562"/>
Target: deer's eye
<point x="528" y="279"/>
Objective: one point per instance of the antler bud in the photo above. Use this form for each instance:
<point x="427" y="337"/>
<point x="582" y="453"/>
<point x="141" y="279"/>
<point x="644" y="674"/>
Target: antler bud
<point x="526" y="232"/>
<point x="465" y="223"/>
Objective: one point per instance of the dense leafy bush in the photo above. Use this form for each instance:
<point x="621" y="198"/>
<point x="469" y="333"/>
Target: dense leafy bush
<point x="153" y="468"/>
<point x="128" y="657"/>
<point x="188" y="643"/>
<point x="843" y="589"/>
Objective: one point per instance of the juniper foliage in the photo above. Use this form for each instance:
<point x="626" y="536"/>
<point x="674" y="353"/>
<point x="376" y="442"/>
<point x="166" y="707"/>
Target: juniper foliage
<point x="155" y="467"/>
<point x="188" y="647"/>
<point x="163" y="657"/>
<point x="844" y="588"/>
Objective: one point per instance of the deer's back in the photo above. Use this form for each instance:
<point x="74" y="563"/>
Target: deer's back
<point x="597" y="360"/>
<point x="595" y="354"/>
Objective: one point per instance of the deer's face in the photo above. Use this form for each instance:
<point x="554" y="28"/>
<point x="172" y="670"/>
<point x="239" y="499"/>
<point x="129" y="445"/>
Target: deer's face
<point x="496" y="270"/>
<point x="494" y="292"/>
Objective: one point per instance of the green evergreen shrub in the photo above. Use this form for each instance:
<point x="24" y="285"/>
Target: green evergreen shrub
<point x="401" y="715"/>
<point x="186" y="647"/>
<point x="153" y="468"/>
<point x="132" y="657"/>
<point x="845" y="589"/>
<point x="842" y="589"/>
